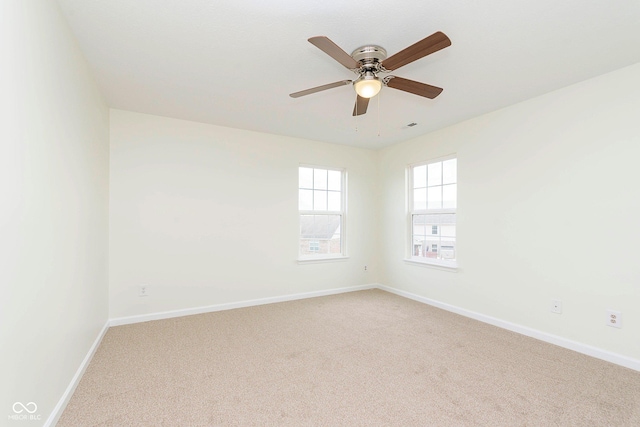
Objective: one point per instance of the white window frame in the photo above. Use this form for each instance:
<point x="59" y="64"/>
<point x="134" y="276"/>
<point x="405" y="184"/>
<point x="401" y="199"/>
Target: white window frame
<point x="319" y="257"/>
<point x="410" y="257"/>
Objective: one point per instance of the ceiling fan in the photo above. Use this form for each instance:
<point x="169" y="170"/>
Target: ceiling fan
<point x="368" y="62"/>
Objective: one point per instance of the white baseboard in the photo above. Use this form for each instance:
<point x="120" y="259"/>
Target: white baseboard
<point x="598" y="353"/>
<point x="543" y="336"/>
<point x="229" y="306"/>
<point x="62" y="403"/>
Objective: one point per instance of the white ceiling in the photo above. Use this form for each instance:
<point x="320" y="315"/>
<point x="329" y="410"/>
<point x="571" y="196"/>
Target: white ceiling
<point x="234" y="62"/>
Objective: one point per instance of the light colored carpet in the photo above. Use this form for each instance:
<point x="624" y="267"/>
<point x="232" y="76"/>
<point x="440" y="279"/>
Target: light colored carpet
<point x="366" y="358"/>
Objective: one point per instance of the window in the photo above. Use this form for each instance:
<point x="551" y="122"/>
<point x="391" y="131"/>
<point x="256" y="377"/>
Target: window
<point x="432" y="211"/>
<point x="321" y="206"/>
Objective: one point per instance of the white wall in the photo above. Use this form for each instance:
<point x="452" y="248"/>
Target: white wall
<point x="549" y="207"/>
<point x="207" y="215"/>
<point x="54" y="207"/>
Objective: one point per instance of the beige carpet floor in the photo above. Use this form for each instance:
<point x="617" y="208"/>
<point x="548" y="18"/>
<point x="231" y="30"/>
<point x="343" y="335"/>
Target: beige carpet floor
<point x="366" y="358"/>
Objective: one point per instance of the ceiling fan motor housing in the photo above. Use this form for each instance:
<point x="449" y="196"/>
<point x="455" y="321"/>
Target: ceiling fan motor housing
<point x="369" y="57"/>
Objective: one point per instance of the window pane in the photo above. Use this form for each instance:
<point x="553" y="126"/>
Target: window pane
<point x="306" y="200"/>
<point x="419" y="230"/>
<point x="448" y="248"/>
<point x="418" y="246"/>
<point x="434" y="198"/>
<point x="314" y="245"/>
<point x="448" y="241"/>
<point x="449" y="171"/>
<point x="440" y="219"/>
<point x="435" y="174"/>
<point x="319" y="200"/>
<point x="333" y="201"/>
<point x="306" y="178"/>
<point x="431" y="248"/>
<point x="320" y="179"/>
<point x="307" y="226"/>
<point x="309" y="244"/>
<point x="420" y="199"/>
<point x="420" y="176"/>
<point x="448" y="231"/>
<point x="335" y="244"/>
<point x="449" y="195"/>
<point x="335" y="180"/>
<point x="419" y="225"/>
<point x="319" y="227"/>
<point x="320" y="234"/>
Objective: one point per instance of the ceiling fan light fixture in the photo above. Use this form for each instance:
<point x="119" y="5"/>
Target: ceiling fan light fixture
<point x="369" y="60"/>
<point x="368" y="85"/>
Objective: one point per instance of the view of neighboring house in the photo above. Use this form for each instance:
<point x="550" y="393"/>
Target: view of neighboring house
<point x="434" y="236"/>
<point x="320" y="234"/>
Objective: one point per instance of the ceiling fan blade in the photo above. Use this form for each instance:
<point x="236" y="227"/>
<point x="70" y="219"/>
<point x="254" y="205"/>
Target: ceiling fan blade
<point x="424" y="47"/>
<point x="333" y="50"/>
<point x="319" y="88"/>
<point x="417" y="88"/>
<point x="361" y="106"/>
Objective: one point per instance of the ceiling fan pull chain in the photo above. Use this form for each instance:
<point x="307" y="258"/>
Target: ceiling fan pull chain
<point x="355" y="118"/>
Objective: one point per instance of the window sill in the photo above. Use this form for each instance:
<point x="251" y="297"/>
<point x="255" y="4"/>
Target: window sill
<point x="322" y="259"/>
<point x="451" y="266"/>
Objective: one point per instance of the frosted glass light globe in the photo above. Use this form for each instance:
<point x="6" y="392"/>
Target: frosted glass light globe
<point x="367" y="86"/>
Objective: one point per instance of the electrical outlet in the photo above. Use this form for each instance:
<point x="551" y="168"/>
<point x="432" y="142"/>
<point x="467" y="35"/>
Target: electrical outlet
<point x="556" y="306"/>
<point x="143" y="291"/>
<point x="614" y="318"/>
<point x="365" y="268"/>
